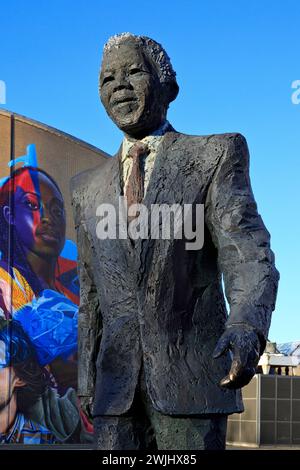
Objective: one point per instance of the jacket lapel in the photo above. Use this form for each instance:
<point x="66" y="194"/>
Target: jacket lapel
<point x="161" y="190"/>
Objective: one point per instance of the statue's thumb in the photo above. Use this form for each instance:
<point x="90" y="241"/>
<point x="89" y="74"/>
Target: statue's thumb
<point x="220" y="348"/>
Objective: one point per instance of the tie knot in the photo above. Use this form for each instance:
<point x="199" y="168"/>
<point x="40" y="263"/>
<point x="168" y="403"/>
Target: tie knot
<point x="137" y="150"/>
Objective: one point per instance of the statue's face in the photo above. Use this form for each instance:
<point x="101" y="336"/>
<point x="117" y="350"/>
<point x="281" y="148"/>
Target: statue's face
<point x="131" y="91"/>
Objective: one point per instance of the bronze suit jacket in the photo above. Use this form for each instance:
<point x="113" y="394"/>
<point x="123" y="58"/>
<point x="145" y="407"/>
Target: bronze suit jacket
<point x="159" y="304"/>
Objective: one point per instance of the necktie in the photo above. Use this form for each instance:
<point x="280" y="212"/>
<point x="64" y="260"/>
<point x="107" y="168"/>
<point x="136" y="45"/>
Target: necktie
<point x="135" y="185"/>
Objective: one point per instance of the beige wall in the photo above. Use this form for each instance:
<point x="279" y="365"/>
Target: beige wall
<point x="60" y="154"/>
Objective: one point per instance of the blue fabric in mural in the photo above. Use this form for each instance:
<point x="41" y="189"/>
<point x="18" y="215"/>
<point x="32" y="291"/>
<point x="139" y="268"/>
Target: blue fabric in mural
<point x="51" y="322"/>
<point x="69" y="250"/>
<point x="14" y="345"/>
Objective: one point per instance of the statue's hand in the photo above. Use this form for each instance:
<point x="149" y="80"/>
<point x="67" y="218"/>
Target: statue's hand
<point x="245" y="345"/>
<point x="86" y="404"/>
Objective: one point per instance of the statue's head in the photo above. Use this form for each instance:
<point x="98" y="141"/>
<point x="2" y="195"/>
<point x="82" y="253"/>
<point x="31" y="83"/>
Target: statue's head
<point x="137" y="82"/>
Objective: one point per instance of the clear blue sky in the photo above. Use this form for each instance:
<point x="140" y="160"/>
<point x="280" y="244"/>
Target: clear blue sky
<point x="235" y="62"/>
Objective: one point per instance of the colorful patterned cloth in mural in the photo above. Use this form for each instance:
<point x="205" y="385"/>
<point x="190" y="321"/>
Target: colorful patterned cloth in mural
<point x="51" y="323"/>
<point x="25" y="431"/>
<point x="15" y="291"/>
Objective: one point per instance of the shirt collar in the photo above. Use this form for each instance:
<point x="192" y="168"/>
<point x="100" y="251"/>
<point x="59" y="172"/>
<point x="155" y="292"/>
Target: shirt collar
<point x="151" y="140"/>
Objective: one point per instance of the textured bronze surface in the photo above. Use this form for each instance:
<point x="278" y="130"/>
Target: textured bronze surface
<point x="157" y="304"/>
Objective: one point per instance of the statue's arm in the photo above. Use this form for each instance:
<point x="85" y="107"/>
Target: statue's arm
<point x="244" y="254"/>
<point x="89" y="322"/>
<point x="89" y="318"/>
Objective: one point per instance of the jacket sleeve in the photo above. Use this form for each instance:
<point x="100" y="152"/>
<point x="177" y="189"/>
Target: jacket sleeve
<point x="243" y="243"/>
<point x="89" y="319"/>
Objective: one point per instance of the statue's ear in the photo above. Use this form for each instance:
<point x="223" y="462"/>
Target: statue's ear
<point x="172" y="90"/>
<point x="8" y="215"/>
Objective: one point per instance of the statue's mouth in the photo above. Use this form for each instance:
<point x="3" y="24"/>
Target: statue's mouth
<point x="117" y="100"/>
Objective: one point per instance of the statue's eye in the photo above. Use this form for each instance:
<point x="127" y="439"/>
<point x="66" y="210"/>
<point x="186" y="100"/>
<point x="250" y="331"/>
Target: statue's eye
<point x="107" y="79"/>
<point x="135" y="70"/>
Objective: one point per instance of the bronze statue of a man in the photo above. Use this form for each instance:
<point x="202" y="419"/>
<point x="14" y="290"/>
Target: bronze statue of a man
<point x="160" y="362"/>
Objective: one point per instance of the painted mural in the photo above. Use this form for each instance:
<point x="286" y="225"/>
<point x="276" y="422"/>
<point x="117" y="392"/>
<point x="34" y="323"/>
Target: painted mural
<point x="39" y="298"/>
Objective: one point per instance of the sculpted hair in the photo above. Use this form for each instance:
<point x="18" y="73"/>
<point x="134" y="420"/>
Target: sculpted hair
<point x="155" y="53"/>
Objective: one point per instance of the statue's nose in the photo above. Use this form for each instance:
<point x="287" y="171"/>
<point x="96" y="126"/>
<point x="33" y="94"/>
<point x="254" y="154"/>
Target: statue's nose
<point x="120" y="86"/>
<point x="121" y="81"/>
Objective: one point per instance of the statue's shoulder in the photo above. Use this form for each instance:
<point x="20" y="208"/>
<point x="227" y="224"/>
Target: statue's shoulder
<point x="82" y="181"/>
<point x="82" y="186"/>
<point x="209" y="139"/>
<point x="210" y="150"/>
<point x="211" y="147"/>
